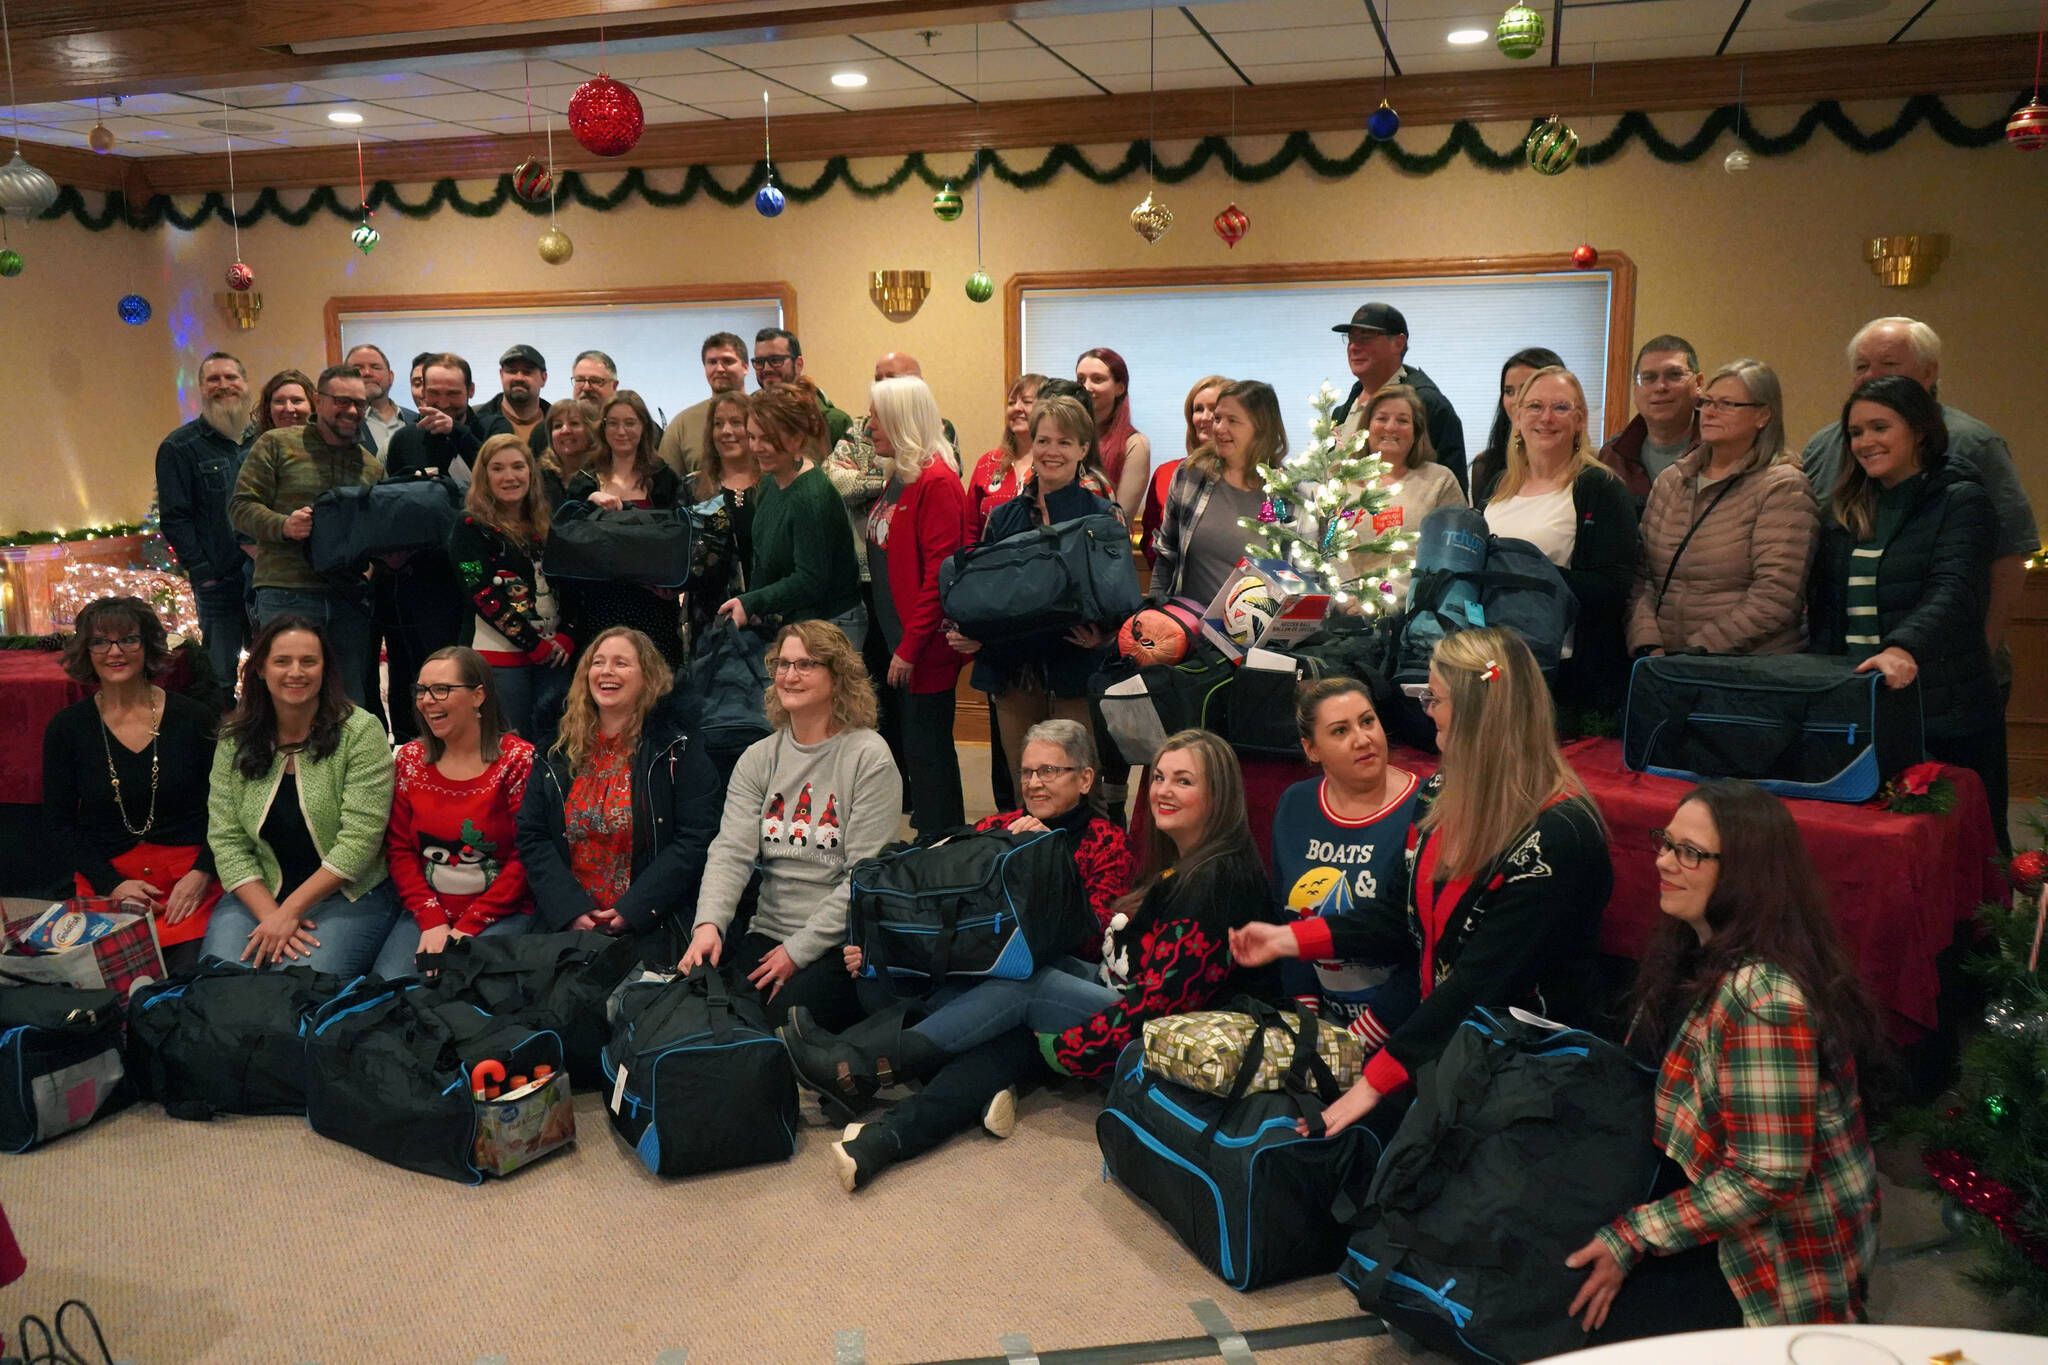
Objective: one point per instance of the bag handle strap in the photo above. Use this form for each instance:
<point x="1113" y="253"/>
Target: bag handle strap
<point x="1247" y="1066"/>
<point x="1678" y="553"/>
<point x="718" y="1000"/>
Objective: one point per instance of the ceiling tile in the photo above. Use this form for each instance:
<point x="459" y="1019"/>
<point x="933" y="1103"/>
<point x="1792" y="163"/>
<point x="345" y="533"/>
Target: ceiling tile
<point x="633" y="63"/>
<point x="508" y="76"/>
<point x="192" y="124"/>
<point x="952" y="38"/>
<point x="1244" y="16"/>
<point x="1292" y="72"/>
<point x="1057" y="88"/>
<point x="1137" y="83"/>
<point x="895" y="99"/>
<point x="1758" y="37"/>
<point x="721" y="87"/>
<point x="1277" y="47"/>
<point x="1651" y="19"/>
<point x="57" y="111"/>
<point x="793" y="52"/>
<point x="260" y="96"/>
<point x="1942" y="22"/>
<point x="555" y="98"/>
<point x="469" y="105"/>
<point x="789" y="104"/>
<point x="1114" y="26"/>
<point x="315" y="115"/>
<point x="388" y="86"/>
<point x="421" y="132"/>
<point x="1032" y="63"/>
<point x="882" y="74"/>
<point x="322" y="137"/>
<point x="667" y="112"/>
<point x="1168" y="54"/>
<point x="146" y="104"/>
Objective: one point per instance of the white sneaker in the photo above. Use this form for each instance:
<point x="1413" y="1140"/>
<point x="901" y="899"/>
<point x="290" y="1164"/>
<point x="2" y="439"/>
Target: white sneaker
<point x="1000" y="1118"/>
<point x="843" y="1163"/>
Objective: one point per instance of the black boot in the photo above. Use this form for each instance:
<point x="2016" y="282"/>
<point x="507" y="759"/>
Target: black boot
<point x="845" y="1070"/>
<point x="863" y="1152"/>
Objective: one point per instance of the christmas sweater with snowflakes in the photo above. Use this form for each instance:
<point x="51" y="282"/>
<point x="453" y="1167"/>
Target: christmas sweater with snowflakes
<point x="452" y="845"/>
<point x="1172" y="956"/>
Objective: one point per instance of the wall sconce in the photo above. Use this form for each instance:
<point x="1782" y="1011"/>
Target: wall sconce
<point x="899" y="293"/>
<point x="1901" y="261"/>
<point x="239" y="307"/>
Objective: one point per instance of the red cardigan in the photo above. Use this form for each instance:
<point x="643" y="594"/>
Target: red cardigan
<point x="931" y="521"/>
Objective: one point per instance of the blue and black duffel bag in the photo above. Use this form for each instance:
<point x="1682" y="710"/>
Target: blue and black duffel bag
<point x="1804" y="725"/>
<point x="958" y="903"/>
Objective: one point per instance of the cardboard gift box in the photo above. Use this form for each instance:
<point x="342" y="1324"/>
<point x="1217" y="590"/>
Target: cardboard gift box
<point x="92" y="944"/>
<point x="518" y="1129"/>
<point x="1264" y="602"/>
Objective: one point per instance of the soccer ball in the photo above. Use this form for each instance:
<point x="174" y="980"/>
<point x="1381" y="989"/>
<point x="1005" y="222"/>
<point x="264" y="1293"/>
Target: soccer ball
<point x="1248" y="610"/>
<point x="1153" y="636"/>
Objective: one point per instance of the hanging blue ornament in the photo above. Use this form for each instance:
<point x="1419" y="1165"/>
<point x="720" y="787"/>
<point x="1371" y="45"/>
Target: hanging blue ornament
<point x="768" y="201"/>
<point x="1281" y="511"/>
<point x="134" y="309"/>
<point x="1383" y="122"/>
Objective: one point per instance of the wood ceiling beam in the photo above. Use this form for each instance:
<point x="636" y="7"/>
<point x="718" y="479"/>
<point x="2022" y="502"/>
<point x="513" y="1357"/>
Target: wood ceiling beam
<point x="1787" y="78"/>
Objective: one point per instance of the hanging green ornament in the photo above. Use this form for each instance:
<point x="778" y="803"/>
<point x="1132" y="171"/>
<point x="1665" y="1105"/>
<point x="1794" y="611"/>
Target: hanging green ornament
<point x="365" y="238"/>
<point x="1552" y="147"/>
<point x="980" y="288"/>
<point x="1998" y="1108"/>
<point x="947" y="204"/>
<point x="10" y="263"/>
<point x="1519" y="33"/>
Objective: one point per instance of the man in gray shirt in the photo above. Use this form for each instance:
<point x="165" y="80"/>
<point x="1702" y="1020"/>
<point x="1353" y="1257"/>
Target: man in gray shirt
<point x="1665" y="389"/>
<point x="1909" y="347"/>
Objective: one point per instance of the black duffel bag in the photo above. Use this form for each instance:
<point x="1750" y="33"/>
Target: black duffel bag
<point x="60" y="1061"/>
<point x="1041" y="582"/>
<point x="222" y="1038"/>
<point x="1523" y="1141"/>
<point x="352" y="526"/>
<point x="1804" y="725"/>
<point x="730" y="675"/>
<point x="1138" y="705"/>
<point x="388" y="1073"/>
<point x="1242" y="1189"/>
<point x="646" y="545"/>
<point x="698" y="1080"/>
<point x="958" y="903"/>
<point x="549" y="982"/>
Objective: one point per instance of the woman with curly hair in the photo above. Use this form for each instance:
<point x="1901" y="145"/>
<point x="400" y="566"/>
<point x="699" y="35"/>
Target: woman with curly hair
<point x="287" y="401"/>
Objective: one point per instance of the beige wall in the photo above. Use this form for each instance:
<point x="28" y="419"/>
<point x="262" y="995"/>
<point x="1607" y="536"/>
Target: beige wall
<point x="1765" y="264"/>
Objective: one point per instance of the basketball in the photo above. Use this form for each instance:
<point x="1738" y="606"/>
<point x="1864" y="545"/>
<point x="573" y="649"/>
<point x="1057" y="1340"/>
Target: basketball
<point x="1248" y="610"/>
<point x="1153" y="636"/>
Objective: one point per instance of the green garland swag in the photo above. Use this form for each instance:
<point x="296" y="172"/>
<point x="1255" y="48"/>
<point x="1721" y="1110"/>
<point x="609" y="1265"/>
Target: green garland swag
<point x="82" y="533"/>
<point x="1464" y="140"/>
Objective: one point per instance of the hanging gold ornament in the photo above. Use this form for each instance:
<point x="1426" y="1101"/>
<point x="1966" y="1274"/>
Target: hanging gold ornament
<point x="555" y="246"/>
<point x="1151" y="220"/>
<point x="100" y="139"/>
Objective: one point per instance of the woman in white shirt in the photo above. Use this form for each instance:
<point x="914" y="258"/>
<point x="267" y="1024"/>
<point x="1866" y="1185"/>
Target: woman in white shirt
<point x="1397" y="429"/>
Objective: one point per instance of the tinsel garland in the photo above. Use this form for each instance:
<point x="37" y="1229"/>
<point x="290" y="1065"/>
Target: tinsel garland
<point x="59" y="537"/>
<point x="1464" y="139"/>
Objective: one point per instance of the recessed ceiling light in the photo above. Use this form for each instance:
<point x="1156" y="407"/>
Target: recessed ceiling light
<point x="1465" y="37"/>
<point x="344" y="116"/>
<point x="849" y="80"/>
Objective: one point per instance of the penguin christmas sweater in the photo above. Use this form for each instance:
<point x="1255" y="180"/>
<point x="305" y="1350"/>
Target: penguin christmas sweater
<point x="452" y="845"/>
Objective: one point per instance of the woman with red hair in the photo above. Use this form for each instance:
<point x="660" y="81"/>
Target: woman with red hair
<point x="1126" y="452"/>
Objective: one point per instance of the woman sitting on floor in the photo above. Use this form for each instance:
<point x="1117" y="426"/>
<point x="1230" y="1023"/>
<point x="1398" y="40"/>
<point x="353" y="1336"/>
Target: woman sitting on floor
<point x="803" y="806"/>
<point x="453" y="838"/>
<point x="1766" y="1211"/>
<point x="617" y="816"/>
<point x="974" y="1078"/>
<point x="1511" y="871"/>
<point x="300" y="795"/>
<point x="124" y="777"/>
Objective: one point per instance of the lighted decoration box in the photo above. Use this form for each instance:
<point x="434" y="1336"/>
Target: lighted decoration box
<point x="1264" y="602"/>
<point x="42" y="587"/>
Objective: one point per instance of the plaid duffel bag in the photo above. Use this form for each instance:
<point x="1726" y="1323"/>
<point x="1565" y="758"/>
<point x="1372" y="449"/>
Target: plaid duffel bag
<point x="1205" y="1051"/>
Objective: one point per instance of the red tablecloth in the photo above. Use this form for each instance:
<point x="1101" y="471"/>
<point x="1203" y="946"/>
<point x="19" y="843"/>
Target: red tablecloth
<point x="33" y="688"/>
<point x="1897" y="883"/>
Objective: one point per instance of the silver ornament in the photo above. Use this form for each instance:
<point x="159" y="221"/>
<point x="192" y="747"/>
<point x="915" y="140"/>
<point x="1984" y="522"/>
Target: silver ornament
<point x="2003" y="1018"/>
<point x="24" y="190"/>
<point x="1736" y="162"/>
<point x="1955" y="1220"/>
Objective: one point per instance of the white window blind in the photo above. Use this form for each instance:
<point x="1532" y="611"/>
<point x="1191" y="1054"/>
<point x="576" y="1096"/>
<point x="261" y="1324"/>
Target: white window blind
<point x="1460" y="330"/>
<point x="656" y="345"/>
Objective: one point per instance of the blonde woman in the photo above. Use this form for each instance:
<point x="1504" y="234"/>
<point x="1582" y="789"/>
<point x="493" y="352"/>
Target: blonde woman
<point x="919" y="520"/>
<point x="999" y="473"/>
<point x="1555" y="494"/>
<point x="1200" y="535"/>
<point x="496" y="548"/>
<point x="1199" y="409"/>
<point x="1396" y="425"/>
<point x="724" y="488"/>
<point x="624" y="471"/>
<point x="618" y="814"/>
<point x="803" y="806"/>
<point x="1511" y="871"/>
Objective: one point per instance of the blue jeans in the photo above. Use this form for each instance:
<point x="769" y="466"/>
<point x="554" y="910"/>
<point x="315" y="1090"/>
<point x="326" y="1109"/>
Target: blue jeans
<point x="224" y="624"/>
<point x="395" y="959"/>
<point x="854" y="623"/>
<point x="1052" y="1000"/>
<point x="350" y="932"/>
<point x="528" y="690"/>
<point x="346" y="619"/>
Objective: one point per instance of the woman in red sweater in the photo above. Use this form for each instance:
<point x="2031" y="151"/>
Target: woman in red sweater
<point x="921" y="518"/>
<point x="452" y="841"/>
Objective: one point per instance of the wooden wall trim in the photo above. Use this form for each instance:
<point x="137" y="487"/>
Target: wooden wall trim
<point x="337" y="305"/>
<point x="1618" y="266"/>
<point x="1426" y="102"/>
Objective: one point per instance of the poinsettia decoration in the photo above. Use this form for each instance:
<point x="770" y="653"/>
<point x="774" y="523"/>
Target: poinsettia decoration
<point x="1919" y="790"/>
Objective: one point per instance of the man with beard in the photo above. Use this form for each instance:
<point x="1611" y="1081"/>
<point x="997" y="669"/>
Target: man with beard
<point x="725" y="370"/>
<point x="385" y="419"/>
<point x="518" y="408"/>
<point x="419" y="601"/>
<point x="273" y="505"/>
<point x="196" y="468"/>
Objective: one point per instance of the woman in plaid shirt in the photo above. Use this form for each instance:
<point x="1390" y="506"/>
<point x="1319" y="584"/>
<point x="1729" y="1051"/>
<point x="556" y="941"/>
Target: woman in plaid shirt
<point x="1768" y="1207"/>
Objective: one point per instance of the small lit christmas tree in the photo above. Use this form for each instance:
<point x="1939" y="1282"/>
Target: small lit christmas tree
<point x="1319" y="510"/>
<point x="156" y="551"/>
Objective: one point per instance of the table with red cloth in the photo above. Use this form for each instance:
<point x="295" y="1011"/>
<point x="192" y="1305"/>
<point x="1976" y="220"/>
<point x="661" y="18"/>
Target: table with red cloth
<point x="33" y="688"/>
<point x="1897" y="883"/>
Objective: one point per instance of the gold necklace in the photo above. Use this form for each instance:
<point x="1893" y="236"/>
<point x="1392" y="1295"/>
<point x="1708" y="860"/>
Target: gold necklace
<point x="156" y="722"/>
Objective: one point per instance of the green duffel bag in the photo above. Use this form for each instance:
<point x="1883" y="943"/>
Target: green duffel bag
<point x="1205" y="1051"/>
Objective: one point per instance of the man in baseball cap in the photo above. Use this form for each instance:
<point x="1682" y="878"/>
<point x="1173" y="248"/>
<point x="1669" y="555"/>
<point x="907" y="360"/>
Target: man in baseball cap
<point x="518" y="408"/>
<point x="1376" y="347"/>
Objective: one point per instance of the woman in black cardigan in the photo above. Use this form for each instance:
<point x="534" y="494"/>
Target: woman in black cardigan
<point x="1907" y="540"/>
<point x="1511" y="876"/>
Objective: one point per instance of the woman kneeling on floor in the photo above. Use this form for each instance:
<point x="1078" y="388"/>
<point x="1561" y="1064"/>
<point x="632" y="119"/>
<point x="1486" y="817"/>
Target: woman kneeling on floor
<point x="973" y="1064"/>
<point x="804" y="805"/>
<point x="1768" y="1207"/>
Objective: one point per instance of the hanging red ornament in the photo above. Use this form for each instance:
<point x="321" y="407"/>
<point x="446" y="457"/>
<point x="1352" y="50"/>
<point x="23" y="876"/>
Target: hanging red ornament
<point x="1232" y="224"/>
<point x="2027" y="129"/>
<point x="605" y="116"/>
<point x="240" y="277"/>
<point x="1584" y="256"/>
<point x="532" y="181"/>
<point x="2027" y="870"/>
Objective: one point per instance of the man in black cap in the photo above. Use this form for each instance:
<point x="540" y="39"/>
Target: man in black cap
<point x="1376" y="345"/>
<point x="519" y="408"/>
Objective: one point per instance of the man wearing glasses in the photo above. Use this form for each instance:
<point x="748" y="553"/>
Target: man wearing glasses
<point x="779" y="359"/>
<point x="273" y="505"/>
<point x="1666" y="387"/>
<point x="681" y="445"/>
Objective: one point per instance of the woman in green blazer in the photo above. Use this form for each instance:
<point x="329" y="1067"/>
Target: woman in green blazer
<point x="301" y="794"/>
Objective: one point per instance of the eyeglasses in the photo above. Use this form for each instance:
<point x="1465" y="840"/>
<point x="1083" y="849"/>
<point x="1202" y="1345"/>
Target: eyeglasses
<point x="773" y="362"/>
<point x="100" y="644"/>
<point x="1045" y="773"/>
<point x="1674" y="375"/>
<point x="1559" y="409"/>
<point x="1723" y="404"/>
<point x="803" y="668"/>
<point x="439" y="691"/>
<point x="347" y="404"/>
<point x="1688" y="856"/>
